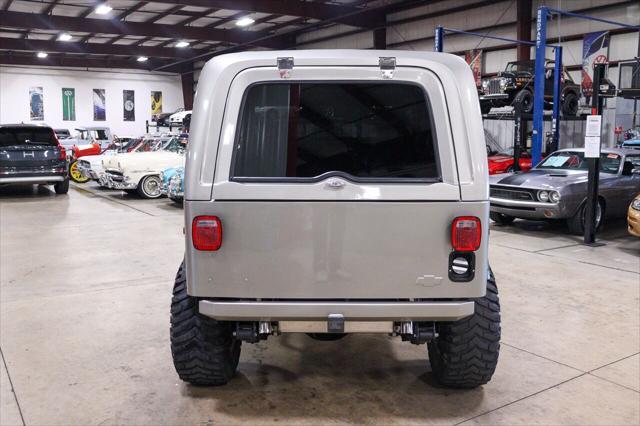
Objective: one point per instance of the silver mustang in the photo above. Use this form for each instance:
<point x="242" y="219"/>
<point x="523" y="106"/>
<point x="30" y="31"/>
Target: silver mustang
<point x="557" y="188"/>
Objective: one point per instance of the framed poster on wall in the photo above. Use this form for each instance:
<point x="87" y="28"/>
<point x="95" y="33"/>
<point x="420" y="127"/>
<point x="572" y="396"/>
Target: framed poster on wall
<point x="99" y="105"/>
<point x="36" y="103"/>
<point x="68" y="104"/>
<point x="595" y="50"/>
<point x="474" y="59"/>
<point x="128" y="105"/>
<point x="156" y="103"/>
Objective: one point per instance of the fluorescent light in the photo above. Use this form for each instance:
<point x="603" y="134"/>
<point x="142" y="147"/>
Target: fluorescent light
<point x="244" y="22"/>
<point x="64" y="37"/>
<point x="103" y="9"/>
<point x="42" y="54"/>
<point x="142" y="59"/>
<point x="182" y="44"/>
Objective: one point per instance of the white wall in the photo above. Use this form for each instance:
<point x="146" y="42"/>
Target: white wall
<point x="16" y="81"/>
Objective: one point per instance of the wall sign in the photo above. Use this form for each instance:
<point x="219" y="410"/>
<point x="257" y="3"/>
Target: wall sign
<point x="595" y="50"/>
<point x="592" y="136"/>
<point x="68" y="104"/>
<point x="128" y="105"/>
<point x="156" y="103"/>
<point x="36" y="103"/>
<point x="474" y="59"/>
<point x="99" y="105"/>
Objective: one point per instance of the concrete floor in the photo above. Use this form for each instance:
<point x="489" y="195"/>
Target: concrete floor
<point x="85" y="289"/>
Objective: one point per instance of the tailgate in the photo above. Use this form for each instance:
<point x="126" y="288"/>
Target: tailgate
<point x="30" y="157"/>
<point x="333" y="250"/>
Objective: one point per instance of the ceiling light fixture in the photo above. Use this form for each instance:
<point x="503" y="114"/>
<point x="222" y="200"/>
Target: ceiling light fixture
<point x="42" y="54"/>
<point x="103" y="9"/>
<point x="64" y="37"/>
<point x="245" y="22"/>
<point x="182" y="44"/>
<point x="142" y="59"/>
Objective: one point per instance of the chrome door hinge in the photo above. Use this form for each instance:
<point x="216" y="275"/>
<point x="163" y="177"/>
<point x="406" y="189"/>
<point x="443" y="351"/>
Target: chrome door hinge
<point x="387" y="66"/>
<point x="285" y="65"/>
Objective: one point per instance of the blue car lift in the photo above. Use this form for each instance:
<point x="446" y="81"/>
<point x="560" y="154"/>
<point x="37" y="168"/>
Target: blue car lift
<point x="544" y="13"/>
<point x="555" y="114"/>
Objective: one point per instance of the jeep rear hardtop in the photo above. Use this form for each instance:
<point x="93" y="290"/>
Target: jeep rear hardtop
<point x="333" y="192"/>
<point x="335" y="178"/>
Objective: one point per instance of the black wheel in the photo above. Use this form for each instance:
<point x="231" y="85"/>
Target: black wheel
<point x="500" y="218"/>
<point x="524" y="98"/>
<point x="510" y="169"/>
<point x="465" y="353"/>
<point x="149" y="187"/>
<point x="326" y="337"/>
<point x="204" y="350"/>
<point x="570" y="105"/>
<point x="62" y="187"/>
<point x="577" y="221"/>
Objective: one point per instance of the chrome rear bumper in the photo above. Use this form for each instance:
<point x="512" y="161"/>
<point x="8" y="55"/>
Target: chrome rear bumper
<point x="305" y="311"/>
<point x="494" y="96"/>
<point x="32" y="179"/>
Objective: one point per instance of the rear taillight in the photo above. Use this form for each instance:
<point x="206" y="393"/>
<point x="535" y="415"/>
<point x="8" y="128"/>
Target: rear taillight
<point x="63" y="153"/>
<point x="466" y="233"/>
<point x="206" y="232"/>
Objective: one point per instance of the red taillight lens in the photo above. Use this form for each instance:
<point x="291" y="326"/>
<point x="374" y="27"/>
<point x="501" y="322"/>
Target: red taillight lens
<point x="466" y="233"/>
<point x="206" y="233"/>
<point x="63" y="153"/>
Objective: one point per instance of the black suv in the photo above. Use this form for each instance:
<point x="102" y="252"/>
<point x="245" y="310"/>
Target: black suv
<point x="514" y="86"/>
<point x="31" y="154"/>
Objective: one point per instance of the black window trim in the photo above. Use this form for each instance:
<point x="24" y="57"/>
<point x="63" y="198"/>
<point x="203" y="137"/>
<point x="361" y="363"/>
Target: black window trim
<point x="328" y="175"/>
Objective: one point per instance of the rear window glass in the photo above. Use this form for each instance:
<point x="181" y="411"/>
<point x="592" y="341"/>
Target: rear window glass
<point x="10" y="136"/>
<point x="359" y="130"/>
<point x="99" y="134"/>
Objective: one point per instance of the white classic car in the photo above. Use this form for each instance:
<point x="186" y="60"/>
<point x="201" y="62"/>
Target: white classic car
<point x="178" y="117"/>
<point x="90" y="166"/>
<point x="87" y="135"/>
<point x="140" y="172"/>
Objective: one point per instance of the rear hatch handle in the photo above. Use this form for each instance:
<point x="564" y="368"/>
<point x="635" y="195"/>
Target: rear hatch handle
<point x="334" y="184"/>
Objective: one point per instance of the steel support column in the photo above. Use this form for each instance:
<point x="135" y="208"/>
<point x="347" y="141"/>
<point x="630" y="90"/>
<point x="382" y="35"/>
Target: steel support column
<point x="593" y="178"/>
<point x="555" y="117"/>
<point x="380" y="38"/>
<point x="439" y="39"/>
<point x="187" y="85"/>
<point x="538" y="94"/>
<point x="523" y="28"/>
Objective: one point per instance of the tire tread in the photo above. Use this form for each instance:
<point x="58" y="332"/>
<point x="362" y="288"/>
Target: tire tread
<point x="465" y="354"/>
<point x="204" y="351"/>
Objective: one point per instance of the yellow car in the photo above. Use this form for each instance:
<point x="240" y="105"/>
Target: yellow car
<point x="633" y="217"/>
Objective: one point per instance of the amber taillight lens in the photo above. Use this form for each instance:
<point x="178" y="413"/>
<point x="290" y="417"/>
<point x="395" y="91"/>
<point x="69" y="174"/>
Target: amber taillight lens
<point x="206" y="233"/>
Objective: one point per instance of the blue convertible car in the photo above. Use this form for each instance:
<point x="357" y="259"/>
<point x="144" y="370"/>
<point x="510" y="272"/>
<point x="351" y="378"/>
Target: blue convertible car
<point x="173" y="183"/>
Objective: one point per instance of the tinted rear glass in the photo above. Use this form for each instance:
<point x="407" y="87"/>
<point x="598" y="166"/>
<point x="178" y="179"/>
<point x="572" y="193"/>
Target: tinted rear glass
<point x="360" y="130"/>
<point x="10" y="136"/>
<point x="99" y="134"/>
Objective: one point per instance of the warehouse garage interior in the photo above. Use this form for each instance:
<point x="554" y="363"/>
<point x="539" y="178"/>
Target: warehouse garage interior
<point x="93" y="297"/>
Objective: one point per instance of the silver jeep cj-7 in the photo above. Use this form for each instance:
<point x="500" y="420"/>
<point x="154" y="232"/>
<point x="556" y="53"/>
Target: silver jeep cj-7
<point x="331" y="192"/>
